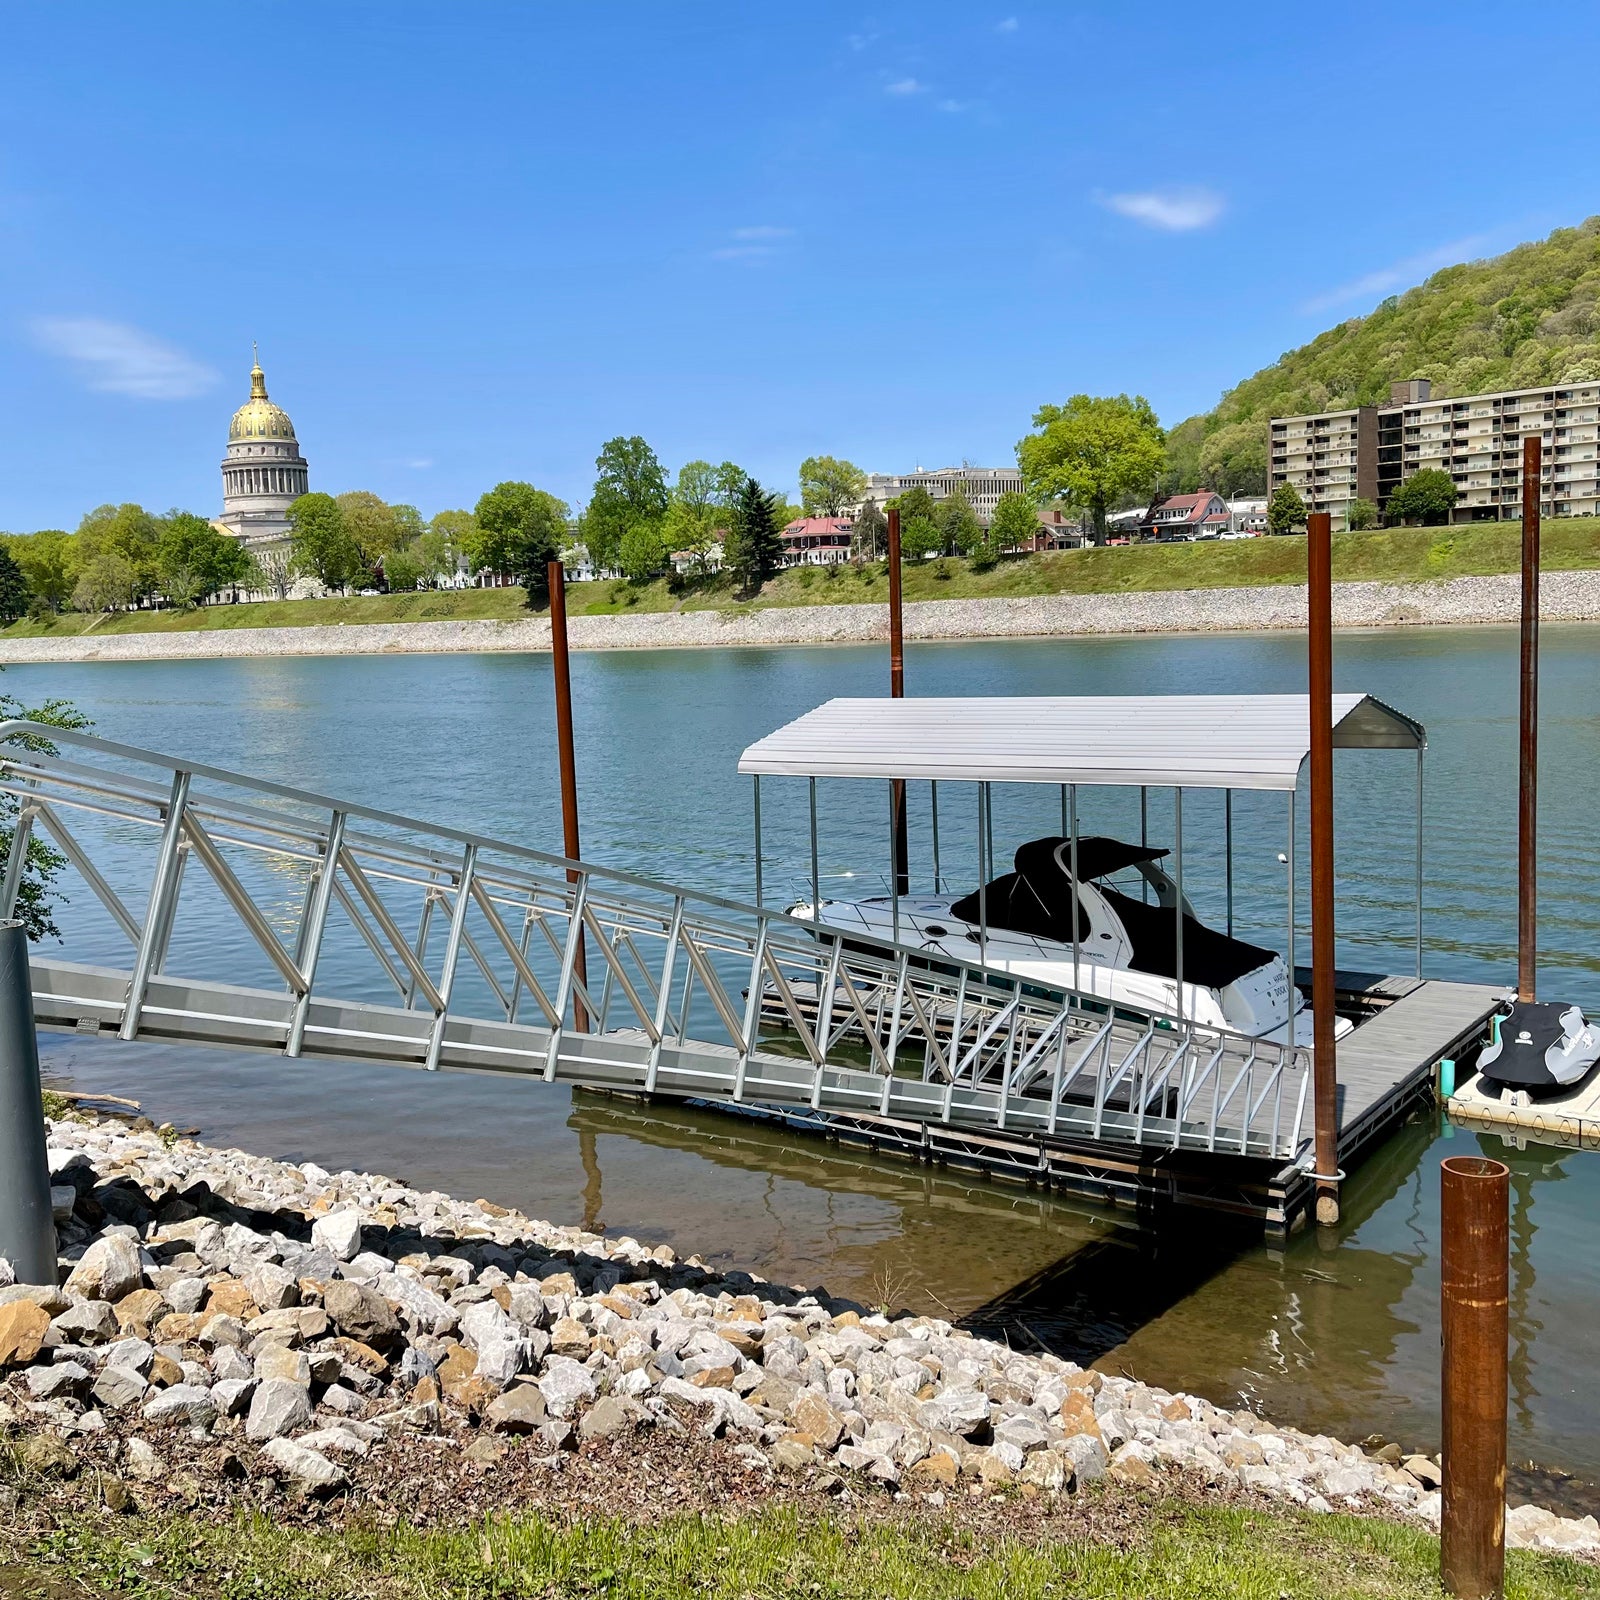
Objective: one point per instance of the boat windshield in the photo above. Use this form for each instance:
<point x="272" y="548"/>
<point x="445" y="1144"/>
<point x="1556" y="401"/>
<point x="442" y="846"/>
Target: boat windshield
<point x="1037" y="899"/>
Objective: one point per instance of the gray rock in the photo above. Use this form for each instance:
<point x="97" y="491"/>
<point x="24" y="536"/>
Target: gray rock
<point x="307" y="1469"/>
<point x="271" y="1287"/>
<point x="1089" y="1457"/>
<point x="136" y="1354"/>
<point x="142" y="1461"/>
<point x="91" y="1323"/>
<point x="278" y="1363"/>
<point x="336" y="1397"/>
<point x="63" y="1197"/>
<point x="339" y="1233"/>
<point x="419" y="1305"/>
<point x="65" y="1380"/>
<point x="337" y="1441"/>
<point x="361" y="1313"/>
<point x="232" y="1395"/>
<point x="229" y="1362"/>
<point x="183" y="1402"/>
<point x="276" y="1408"/>
<point x="607" y="1416"/>
<point x="1022" y="1430"/>
<point x="185" y="1294"/>
<point x="521" y="1409"/>
<point x="108" y="1269"/>
<point x="566" y="1384"/>
<point x="117" y="1387"/>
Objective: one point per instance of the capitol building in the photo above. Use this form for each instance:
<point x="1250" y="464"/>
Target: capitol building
<point x="264" y="472"/>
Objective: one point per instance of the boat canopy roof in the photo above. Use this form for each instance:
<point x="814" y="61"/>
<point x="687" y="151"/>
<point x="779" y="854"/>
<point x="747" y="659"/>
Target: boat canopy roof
<point x="1201" y="741"/>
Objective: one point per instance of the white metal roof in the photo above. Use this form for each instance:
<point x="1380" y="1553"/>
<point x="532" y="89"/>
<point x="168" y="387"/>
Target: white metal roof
<point x="1202" y="741"/>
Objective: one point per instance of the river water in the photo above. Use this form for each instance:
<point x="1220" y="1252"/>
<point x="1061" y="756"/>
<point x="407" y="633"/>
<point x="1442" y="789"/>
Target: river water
<point x="1336" y="1332"/>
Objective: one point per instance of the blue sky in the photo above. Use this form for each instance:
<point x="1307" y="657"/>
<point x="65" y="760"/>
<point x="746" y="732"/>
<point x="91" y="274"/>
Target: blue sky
<point x="475" y="240"/>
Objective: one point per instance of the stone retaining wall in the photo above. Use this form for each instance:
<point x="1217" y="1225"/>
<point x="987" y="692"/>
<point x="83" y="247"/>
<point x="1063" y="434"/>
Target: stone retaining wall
<point x="1565" y="597"/>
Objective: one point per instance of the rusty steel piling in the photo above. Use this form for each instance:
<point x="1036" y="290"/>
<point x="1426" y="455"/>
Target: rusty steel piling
<point x="1528" y="762"/>
<point x="562" y="672"/>
<point x="1474" y="1280"/>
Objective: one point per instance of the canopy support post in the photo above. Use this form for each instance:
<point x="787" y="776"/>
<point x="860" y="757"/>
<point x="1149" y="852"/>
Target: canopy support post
<point x="1144" y="839"/>
<point x="1288" y="1027"/>
<point x="757" y="794"/>
<point x="897" y="815"/>
<point x="1419" y="860"/>
<point x="1077" y="900"/>
<point x="1227" y="850"/>
<point x="983" y="877"/>
<point x="1064" y="823"/>
<point x="816" y="876"/>
<point x="933" y="810"/>
<point x="1177" y="828"/>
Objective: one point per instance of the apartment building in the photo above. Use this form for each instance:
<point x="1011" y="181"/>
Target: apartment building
<point x="1339" y="456"/>
<point x="983" y="486"/>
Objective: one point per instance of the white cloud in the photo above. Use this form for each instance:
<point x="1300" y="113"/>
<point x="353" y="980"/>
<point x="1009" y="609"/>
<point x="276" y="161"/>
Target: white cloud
<point x="742" y="252"/>
<point x="955" y="106"/>
<point x="763" y="232"/>
<point x="421" y="464"/>
<point x="1398" y="275"/>
<point x="116" y="358"/>
<point x="1171" y="210"/>
<point x="1009" y="25"/>
<point x="905" y="86"/>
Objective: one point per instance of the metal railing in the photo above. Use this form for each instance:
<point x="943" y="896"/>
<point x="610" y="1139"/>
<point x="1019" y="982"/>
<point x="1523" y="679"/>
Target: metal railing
<point x="238" y="911"/>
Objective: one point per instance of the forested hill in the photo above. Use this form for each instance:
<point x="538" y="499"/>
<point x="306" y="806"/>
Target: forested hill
<point x="1515" y="321"/>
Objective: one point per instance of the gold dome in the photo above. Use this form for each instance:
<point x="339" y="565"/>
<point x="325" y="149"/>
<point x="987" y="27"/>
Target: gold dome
<point x="258" y="418"/>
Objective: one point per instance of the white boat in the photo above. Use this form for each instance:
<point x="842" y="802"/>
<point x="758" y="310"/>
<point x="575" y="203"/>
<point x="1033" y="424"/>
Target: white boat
<point x="1127" y="948"/>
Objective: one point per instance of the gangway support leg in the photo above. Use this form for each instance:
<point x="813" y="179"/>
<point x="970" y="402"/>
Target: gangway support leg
<point x="27" y="1232"/>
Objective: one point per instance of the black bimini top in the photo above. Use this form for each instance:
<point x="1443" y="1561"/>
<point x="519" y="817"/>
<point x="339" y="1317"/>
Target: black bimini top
<point x="1037" y="899"/>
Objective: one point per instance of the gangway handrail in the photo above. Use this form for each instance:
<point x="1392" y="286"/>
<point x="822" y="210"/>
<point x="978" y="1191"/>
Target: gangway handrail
<point x="983" y="1034"/>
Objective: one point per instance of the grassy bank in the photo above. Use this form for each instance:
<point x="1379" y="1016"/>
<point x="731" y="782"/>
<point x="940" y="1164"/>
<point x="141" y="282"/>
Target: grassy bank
<point x="1173" y="1553"/>
<point x="1398" y="555"/>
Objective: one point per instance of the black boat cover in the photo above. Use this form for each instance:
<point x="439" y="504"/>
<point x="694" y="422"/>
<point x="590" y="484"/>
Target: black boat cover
<point x="1037" y="899"/>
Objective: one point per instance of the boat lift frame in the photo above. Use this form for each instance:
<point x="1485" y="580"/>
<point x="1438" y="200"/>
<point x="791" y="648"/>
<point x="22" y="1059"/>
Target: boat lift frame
<point x="1360" y="722"/>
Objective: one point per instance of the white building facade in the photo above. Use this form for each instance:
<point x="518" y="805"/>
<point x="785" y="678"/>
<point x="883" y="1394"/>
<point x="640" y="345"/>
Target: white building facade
<point x="263" y="473"/>
<point x="982" y="486"/>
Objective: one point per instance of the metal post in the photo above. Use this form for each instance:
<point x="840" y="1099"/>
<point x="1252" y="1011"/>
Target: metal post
<point x="1144" y="839"/>
<point x="933" y="808"/>
<point x="896" y="817"/>
<point x="757" y="792"/>
<point x="816" y="875"/>
<point x="1474" y="1277"/>
<point x="27" y="1232"/>
<point x="983" y="877"/>
<point x="1177" y="850"/>
<point x="562" y="665"/>
<point x="1528" y="763"/>
<point x="1227" y="850"/>
<point x="163" y="889"/>
<point x="1419" y="860"/>
<point x="316" y="922"/>
<point x="1072" y="846"/>
<point x="897" y="691"/>
<point x="1288" y="1027"/>
<point x="1324" y="1062"/>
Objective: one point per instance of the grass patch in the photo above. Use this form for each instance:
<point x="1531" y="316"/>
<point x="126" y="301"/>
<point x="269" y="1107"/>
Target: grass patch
<point x="1395" y="555"/>
<point x="1179" y="1553"/>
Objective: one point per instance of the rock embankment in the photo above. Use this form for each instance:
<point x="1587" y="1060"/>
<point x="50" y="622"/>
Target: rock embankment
<point x="317" y="1320"/>
<point x="1564" y="597"/>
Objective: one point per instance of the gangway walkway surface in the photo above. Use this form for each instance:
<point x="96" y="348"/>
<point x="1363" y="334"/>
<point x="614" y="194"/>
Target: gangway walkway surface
<point x="205" y="907"/>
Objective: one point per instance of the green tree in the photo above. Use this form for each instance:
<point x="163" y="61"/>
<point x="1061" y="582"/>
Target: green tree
<point x="41" y="862"/>
<point x="403" y="569"/>
<point x="129" y="533"/>
<point x="829" y="486"/>
<point x="270" y="572"/>
<point x="1092" y="453"/>
<point x="1286" y="511"/>
<point x="49" y="561"/>
<point x="521" y="530"/>
<point x="754" y="547"/>
<point x="644" y="552"/>
<point x="915" y="502"/>
<point x="1427" y="497"/>
<point x="1015" y="522"/>
<point x="690" y="530"/>
<point x="372" y="523"/>
<point x="920" y="537"/>
<point x="320" y="546"/>
<point x="108" y="581"/>
<point x="959" y="524"/>
<point x="629" y="489"/>
<point x="1363" y="515"/>
<point x="870" y="536"/>
<point x="14" y="592"/>
<point x="195" y="561"/>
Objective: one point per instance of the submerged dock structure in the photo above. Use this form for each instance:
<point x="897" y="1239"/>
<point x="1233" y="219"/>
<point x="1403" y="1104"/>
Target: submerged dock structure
<point x="199" y="906"/>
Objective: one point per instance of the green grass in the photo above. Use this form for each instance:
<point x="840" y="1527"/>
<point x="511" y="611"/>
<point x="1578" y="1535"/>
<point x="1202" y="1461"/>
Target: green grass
<point x="1398" y="555"/>
<point x="1180" y="1553"/>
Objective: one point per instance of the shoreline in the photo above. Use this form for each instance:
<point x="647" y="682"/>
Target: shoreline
<point x="1565" y="596"/>
<point x="295" y="1335"/>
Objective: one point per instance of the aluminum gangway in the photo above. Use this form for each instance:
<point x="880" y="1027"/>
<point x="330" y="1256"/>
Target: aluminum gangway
<point x="205" y="907"/>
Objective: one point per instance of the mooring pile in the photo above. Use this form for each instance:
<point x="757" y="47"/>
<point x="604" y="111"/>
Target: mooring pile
<point x="313" y="1316"/>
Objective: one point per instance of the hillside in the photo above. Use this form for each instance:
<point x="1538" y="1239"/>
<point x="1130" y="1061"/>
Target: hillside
<point x="1516" y="321"/>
